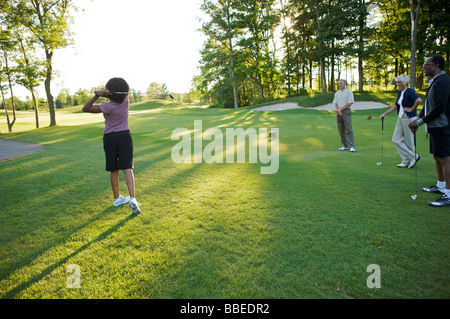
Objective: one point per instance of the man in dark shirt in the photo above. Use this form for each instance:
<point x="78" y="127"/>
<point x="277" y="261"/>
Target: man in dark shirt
<point x="436" y="117"/>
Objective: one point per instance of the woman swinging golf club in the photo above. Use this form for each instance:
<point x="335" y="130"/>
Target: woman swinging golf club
<point x="117" y="141"/>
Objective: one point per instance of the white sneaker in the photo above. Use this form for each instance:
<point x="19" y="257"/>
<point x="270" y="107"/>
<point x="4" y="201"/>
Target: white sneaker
<point x="134" y="205"/>
<point x="343" y="148"/>
<point x="413" y="163"/>
<point x="352" y="149"/>
<point x="121" y="200"/>
<point x="440" y="202"/>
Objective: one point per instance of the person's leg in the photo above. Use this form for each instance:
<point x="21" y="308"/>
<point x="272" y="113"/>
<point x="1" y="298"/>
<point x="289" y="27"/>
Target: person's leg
<point x="115" y="183"/>
<point x="341" y="127"/>
<point x="129" y="178"/>
<point x="443" y="170"/>
<point x="398" y="141"/>
<point x="440" y="169"/>
<point x="445" y="163"/>
<point x="440" y="185"/>
<point x="408" y="141"/>
<point x="134" y="204"/>
<point x="348" y="130"/>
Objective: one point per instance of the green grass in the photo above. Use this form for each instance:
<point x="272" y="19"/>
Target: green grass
<point x="309" y="231"/>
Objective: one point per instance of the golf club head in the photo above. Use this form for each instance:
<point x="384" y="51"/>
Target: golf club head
<point x="414" y="197"/>
<point x="379" y="164"/>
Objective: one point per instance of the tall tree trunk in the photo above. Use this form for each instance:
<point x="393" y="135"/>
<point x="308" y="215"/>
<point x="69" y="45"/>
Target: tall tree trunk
<point x="6" y="109"/>
<point x="36" y="113"/>
<point x="261" y="88"/>
<point x="323" y="83"/>
<point x="361" y="23"/>
<point x="332" y="87"/>
<point x="288" y="63"/>
<point x="230" y="41"/>
<point x="27" y="62"/>
<point x="47" y="84"/>
<point x="414" y="24"/>
<point x="360" y="72"/>
<point x="8" y="73"/>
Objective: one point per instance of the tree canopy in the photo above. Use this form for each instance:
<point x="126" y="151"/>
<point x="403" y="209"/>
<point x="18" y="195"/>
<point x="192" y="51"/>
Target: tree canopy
<point x="259" y="50"/>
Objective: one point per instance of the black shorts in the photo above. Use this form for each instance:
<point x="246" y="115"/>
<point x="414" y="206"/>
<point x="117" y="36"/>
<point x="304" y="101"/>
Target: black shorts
<point x="440" y="142"/>
<point x="118" y="148"/>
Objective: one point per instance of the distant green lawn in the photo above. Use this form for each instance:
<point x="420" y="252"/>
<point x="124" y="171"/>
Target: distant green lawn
<point x="308" y="231"/>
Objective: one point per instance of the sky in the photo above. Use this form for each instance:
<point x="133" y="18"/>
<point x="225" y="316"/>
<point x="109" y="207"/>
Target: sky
<point x="142" y="41"/>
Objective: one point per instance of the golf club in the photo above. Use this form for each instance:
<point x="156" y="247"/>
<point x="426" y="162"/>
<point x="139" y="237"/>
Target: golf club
<point x="414" y="197"/>
<point x="382" y="130"/>
<point x="164" y="94"/>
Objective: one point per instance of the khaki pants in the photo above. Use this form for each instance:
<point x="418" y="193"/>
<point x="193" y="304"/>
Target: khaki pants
<point x="344" y="124"/>
<point x="403" y="139"/>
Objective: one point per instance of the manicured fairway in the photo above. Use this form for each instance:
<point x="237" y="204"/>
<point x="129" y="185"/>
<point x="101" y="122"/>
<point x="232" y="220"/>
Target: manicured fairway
<point x="308" y="231"/>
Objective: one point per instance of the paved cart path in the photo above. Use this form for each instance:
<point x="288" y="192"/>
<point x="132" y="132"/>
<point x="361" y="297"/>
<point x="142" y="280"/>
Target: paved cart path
<point x="11" y="149"/>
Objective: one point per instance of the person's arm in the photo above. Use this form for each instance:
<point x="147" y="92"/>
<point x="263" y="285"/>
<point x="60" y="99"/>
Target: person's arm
<point x="414" y="124"/>
<point x="337" y="110"/>
<point x="440" y="98"/>
<point x="392" y="109"/>
<point x="90" y="107"/>
<point x="346" y="106"/>
<point x="417" y="102"/>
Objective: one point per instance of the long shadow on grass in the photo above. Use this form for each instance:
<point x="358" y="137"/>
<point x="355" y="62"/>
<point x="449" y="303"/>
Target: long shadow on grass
<point x="23" y="286"/>
<point x="48" y="200"/>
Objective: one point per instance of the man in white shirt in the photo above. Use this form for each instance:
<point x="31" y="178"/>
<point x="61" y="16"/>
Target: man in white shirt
<point x="343" y="100"/>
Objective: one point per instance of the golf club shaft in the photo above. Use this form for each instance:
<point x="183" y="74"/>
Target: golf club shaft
<point x="415" y="159"/>
<point x="382" y="139"/>
<point x="140" y="93"/>
<point x="164" y="94"/>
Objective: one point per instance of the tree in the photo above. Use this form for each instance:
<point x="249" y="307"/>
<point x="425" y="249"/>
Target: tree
<point x="48" y="21"/>
<point x="414" y="25"/>
<point x="155" y="87"/>
<point x="259" y="19"/>
<point x="223" y="28"/>
<point x="317" y="6"/>
<point x="29" y="71"/>
<point x="360" y="32"/>
<point x="320" y="40"/>
<point x="6" y="46"/>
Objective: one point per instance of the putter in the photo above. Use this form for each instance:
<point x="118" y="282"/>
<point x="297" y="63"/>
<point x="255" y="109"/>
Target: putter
<point x="414" y="197"/>
<point x="382" y="130"/>
<point x="164" y="94"/>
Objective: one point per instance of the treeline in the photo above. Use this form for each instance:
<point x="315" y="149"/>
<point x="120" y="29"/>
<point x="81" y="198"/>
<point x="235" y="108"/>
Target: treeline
<point x="31" y="31"/>
<point x="66" y="99"/>
<point x="259" y="50"/>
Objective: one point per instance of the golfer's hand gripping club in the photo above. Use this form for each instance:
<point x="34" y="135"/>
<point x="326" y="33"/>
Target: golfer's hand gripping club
<point x="103" y="93"/>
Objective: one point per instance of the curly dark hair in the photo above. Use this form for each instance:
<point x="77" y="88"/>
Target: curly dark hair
<point x="117" y="85"/>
